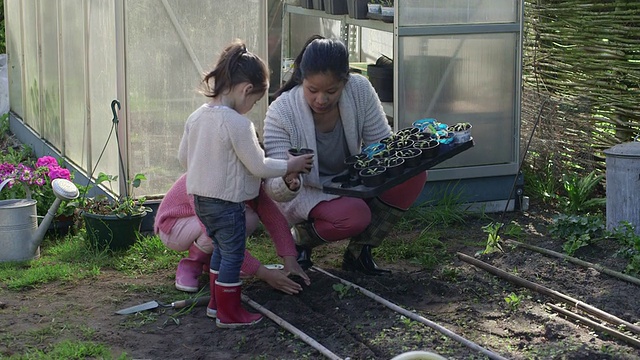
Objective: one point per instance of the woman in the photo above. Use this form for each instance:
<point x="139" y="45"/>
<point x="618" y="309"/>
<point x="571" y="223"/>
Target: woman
<point x="325" y="108"/>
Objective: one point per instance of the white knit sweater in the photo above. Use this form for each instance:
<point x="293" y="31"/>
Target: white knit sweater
<point x="289" y="123"/>
<point x="223" y="157"/>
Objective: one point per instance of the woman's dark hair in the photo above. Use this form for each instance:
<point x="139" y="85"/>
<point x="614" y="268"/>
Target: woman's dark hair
<point x="236" y="65"/>
<point x="319" y="55"/>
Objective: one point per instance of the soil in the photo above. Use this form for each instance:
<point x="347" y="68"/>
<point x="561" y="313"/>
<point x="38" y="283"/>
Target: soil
<point x="460" y="311"/>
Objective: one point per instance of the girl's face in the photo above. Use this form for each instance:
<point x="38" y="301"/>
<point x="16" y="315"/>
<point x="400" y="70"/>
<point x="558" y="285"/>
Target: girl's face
<point x="322" y="91"/>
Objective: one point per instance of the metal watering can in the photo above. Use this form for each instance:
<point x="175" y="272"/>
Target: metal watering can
<point x="20" y="235"/>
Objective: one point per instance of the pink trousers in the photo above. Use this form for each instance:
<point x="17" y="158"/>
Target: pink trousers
<point x="346" y="217"/>
<point x="188" y="230"/>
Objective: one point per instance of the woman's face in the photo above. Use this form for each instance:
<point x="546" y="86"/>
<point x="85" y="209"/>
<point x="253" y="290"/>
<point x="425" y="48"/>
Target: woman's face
<point x="322" y="91"/>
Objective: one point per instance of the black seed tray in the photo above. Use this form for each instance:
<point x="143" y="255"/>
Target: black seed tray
<point x="341" y="184"/>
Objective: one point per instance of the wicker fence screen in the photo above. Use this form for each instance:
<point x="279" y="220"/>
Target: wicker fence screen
<point x="581" y="88"/>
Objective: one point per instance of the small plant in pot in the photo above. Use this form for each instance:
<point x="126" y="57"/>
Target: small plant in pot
<point x="461" y="132"/>
<point x="351" y="160"/>
<point x="394" y="165"/>
<point x="373" y="176"/>
<point x="364" y="163"/>
<point x="401" y="144"/>
<point x="445" y="138"/>
<point x="411" y="156"/>
<point x="384" y="154"/>
<point x="112" y="224"/>
<point x="429" y="148"/>
<point x="406" y="132"/>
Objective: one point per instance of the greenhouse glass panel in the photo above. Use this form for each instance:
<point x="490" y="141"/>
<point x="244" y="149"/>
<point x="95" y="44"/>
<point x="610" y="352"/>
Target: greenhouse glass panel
<point x="463" y="78"/>
<point x="74" y="84"/>
<point x="31" y="60"/>
<point x="438" y="12"/>
<point x="102" y="90"/>
<point x="13" y="20"/>
<point x="50" y="89"/>
<point x="169" y="45"/>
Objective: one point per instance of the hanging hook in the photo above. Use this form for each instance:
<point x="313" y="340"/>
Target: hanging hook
<point x="114" y="111"/>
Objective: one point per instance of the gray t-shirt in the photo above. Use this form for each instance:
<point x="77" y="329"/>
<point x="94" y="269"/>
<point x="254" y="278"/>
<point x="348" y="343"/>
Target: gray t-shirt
<point x="332" y="150"/>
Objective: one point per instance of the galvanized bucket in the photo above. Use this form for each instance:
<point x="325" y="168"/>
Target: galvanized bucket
<point x="623" y="185"/>
<point x="18" y="225"/>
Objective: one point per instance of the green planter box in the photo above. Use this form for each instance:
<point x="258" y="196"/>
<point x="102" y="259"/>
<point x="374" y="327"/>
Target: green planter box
<point x="109" y="232"/>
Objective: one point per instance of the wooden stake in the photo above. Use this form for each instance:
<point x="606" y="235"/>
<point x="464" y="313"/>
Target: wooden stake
<point x="595" y="325"/>
<point x="416" y="317"/>
<point x="600" y="268"/>
<point x="554" y="294"/>
<point x="280" y="321"/>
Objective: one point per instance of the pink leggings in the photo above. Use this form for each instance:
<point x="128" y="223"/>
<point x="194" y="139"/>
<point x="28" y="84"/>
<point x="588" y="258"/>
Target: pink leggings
<point x="345" y="216"/>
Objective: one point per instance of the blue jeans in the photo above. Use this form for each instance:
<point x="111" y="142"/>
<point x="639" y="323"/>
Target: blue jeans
<point x="225" y="224"/>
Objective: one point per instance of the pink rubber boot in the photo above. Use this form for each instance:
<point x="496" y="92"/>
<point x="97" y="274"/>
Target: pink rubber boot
<point x="190" y="269"/>
<point x="212" y="308"/>
<point x="230" y="312"/>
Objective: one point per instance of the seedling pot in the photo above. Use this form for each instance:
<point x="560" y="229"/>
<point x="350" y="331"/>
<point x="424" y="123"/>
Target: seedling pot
<point x="373" y="176"/>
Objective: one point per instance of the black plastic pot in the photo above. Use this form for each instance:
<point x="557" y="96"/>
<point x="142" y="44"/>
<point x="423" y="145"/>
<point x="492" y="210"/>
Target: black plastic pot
<point x="411" y="156"/>
<point x="301" y="151"/>
<point x="335" y="7"/>
<point x="381" y="77"/>
<point x="357" y="9"/>
<point x="307" y="4"/>
<point x="373" y="176"/>
<point x="394" y="165"/>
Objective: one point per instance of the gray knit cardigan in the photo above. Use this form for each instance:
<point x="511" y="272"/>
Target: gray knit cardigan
<point x="289" y="123"/>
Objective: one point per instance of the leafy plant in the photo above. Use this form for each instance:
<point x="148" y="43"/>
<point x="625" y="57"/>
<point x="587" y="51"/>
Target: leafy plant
<point x="542" y="183"/>
<point x="122" y="207"/>
<point x="513" y="301"/>
<point x="461" y="126"/>
<point x="579" y="190"/>
<point x="341" y="289"/>
<point x="625" y="234"/>
<point x="447" y="210"/>
<point x="577" y="230"/>
<point x="374" y="170"/>
<point x="493" y="238"/>
<point x="513" y="230"/>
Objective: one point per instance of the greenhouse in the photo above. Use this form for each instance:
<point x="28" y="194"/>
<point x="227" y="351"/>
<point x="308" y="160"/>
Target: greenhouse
<point x="461" y="62"/>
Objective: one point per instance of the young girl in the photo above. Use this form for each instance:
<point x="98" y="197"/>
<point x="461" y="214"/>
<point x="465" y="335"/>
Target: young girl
<point x="225" y="164"/>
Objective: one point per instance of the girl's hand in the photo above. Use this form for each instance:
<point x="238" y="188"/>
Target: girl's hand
<point x="299" y="164"/>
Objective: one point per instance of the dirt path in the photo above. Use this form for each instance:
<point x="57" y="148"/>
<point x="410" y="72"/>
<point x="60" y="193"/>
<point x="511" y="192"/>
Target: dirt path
<point x="458" y="296"/>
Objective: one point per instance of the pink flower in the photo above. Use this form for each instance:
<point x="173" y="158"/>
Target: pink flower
<point x="59" y="173"/>
<point x="48" y="161"/>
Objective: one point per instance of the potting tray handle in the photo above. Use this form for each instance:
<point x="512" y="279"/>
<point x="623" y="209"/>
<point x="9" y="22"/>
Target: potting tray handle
<point x="24" y="184"/>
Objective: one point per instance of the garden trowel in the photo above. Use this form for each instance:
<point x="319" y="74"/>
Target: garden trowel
<point x="200" y="301"/>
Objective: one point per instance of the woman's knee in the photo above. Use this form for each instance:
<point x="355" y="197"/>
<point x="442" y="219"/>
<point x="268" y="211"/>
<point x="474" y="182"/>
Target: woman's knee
<point x="340" y="218"/>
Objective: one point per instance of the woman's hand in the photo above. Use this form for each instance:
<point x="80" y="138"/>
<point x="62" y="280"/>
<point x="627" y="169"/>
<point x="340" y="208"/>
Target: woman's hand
<point x="292" y="181"/>
<point x="291" y="266"/>
<point x="279" y="280"/>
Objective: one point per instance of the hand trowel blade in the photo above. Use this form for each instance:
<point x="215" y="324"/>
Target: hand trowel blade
<point x="142" y="307"/>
